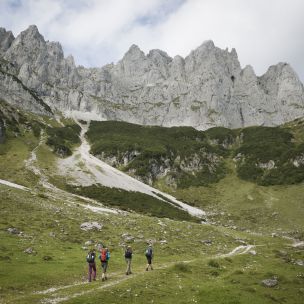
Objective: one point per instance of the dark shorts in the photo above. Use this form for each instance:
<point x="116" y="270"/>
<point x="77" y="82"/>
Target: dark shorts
<point x="149" y="259"/>
<point x="104" y="266"/>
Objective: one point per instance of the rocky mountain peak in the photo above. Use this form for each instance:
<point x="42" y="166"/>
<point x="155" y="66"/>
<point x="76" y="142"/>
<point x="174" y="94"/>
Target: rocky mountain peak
<point x="134" y="52"/>
<point x="207" y="88"/>
<point x="32" y="32"/>
<point x="6" y="39"/>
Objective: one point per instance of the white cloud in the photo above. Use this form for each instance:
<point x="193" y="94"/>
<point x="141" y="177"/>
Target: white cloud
<point x="97" y="32"/>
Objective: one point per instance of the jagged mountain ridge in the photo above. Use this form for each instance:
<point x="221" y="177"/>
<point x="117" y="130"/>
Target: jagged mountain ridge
<point x="205" y="89"/>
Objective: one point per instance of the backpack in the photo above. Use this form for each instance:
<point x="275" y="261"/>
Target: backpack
<point x="91" y="257"/>
<point x="148" y="252"/>
<point x="103" y="255"/>
<point x="128" y="254"/>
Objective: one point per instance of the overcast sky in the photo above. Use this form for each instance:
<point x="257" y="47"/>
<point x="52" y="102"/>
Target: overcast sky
<point x="97" y="32"/>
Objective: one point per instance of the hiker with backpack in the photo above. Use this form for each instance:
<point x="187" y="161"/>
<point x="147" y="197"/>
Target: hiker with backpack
<point x="104" y="258"/>
<point x="128" y="258"/>
<point x="92" y="266"/>
<point x="149" y="256"/>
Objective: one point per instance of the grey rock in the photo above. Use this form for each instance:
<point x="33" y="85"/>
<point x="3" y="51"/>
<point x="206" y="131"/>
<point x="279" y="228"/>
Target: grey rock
<point x="207" y="242"/>
<point x="89" y="242"/>
<point x="29" y="250"/>
<point x="207" y="88"/>
<point x="299" y="262"/>
<point x="91" y="226"/>
<point x="2" y="131"/>
<point x="270" y="282"/>
<point x="6" y="39"/>
<point x="13" y="230"/>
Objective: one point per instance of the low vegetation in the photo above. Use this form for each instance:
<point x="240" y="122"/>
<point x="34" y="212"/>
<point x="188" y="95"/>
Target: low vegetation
<point x="148" y="152"/>
<point x="186" y="157"/>
<point x="132" y="201"/>
<point x="62" y="139"/>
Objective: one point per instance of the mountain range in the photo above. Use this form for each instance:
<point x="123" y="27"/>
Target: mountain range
<point x="207" y="88"/>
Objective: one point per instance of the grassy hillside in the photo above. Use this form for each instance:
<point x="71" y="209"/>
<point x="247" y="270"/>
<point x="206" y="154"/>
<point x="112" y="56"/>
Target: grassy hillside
<point x="43" y="248"/>
<point x="26" y="133"/>
<point x="187" y="268"/>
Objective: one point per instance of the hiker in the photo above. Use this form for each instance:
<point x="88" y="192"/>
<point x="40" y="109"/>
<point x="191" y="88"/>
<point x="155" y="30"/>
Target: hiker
<point x="104" y="258"/>
<point x="128" y="258"/>
<point x="92" y="266"/>
<point x="149" y="256"/>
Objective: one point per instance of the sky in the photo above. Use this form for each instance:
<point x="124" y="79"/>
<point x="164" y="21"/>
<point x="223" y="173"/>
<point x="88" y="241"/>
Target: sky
<point x="98" y="32"/>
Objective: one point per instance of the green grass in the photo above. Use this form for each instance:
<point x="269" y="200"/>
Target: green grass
<point x="246" y="205"/>
<point x="38" y="215"/>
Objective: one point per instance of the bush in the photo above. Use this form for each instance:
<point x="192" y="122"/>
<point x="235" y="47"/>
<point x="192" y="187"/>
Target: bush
<point x="182" y="267"/>
<point x="62" y="139"/>
<point x="213" y="263"/>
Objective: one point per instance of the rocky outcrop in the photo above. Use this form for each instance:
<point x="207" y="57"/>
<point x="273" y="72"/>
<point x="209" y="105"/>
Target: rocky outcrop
<point x="205" y="89"/>
<point x="2" y="131"/>
<point x="6" y="39"/>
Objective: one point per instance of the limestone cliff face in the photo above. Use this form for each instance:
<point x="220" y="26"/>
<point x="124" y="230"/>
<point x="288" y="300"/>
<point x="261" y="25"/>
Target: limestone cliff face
<point x="207" y="88"/>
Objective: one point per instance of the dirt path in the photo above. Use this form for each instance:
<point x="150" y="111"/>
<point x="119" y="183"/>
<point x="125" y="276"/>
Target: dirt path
<point x="13" y="185"/>
<point x="54" y="295"/>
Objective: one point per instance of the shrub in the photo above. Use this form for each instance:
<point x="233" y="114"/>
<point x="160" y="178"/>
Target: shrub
<point x="213" y="263"/>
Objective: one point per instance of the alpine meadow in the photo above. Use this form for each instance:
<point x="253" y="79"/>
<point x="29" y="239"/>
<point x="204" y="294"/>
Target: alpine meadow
<point x="181" y="179"/>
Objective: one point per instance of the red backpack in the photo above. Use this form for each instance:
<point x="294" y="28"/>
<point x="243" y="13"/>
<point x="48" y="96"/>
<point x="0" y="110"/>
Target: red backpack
<point x="103" y="255"/>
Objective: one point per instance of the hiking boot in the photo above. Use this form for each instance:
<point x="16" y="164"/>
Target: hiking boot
<point x="127" y="273"/>
<point x="147" y="269"/>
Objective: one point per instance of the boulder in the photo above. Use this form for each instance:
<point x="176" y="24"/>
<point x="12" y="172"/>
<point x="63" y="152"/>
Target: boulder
<point x="29" y="250"/>
<point x="13" y="230"/>
<point x="91" y="226"/>
<point x="270" y="282"/>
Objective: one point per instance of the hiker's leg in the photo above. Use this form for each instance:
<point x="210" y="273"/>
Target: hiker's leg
<point x="90" y="273"/>
<point x="105" y="269"/>
<point x="149" y="260"/>
<point x="94" y="271"/>
<point x="128" y="261"/>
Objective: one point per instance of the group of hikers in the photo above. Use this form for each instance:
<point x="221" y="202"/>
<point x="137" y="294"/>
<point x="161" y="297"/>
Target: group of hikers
<point x="104" y="256"/>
